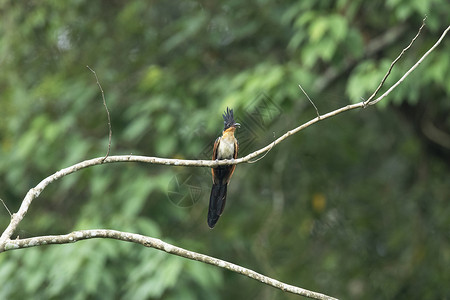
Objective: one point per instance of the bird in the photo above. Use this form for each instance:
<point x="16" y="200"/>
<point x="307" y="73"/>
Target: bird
<point x="225" y="147"/>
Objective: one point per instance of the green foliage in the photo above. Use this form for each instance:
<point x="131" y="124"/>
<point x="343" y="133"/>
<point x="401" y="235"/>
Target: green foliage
<point x="354" y="207"/>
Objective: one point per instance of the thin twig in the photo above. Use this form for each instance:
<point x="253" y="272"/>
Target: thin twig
<point x="107" y="112"/>
<point x="394" y="62"/>
<point x="259" y="158"/>
<point x="6" y="207"/>
<point x="372" y="102"/>
<point x="163" y="246"/>
<point x="317" y="111"/>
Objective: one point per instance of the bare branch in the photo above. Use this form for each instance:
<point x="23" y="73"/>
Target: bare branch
<point x="163" y="246"/>
<point x="7" y="244"/>
<point x="372" y="102"/>
<point x="35" y="192"/>
<point x="317" y="111"/>
<point x="107" y="112"/>
<point x="4" y="204"/>
<point x="394" y="62"/>
<point x="259" y="158"/>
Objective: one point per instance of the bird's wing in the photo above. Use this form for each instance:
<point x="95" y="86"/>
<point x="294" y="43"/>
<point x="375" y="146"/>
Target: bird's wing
<point x="214" y="156"/>
<point x="236" y="148"/>
<point x="216" y="146"/>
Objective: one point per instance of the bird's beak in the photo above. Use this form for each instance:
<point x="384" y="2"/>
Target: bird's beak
<point x="237" y="125"/>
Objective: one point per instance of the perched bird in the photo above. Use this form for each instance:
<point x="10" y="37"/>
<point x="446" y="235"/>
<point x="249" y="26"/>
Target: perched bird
<point x="225" y="147"/>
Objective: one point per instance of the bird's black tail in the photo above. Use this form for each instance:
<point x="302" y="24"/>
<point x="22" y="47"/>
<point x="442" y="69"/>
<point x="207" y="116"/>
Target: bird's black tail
<point x="216" y="203"/>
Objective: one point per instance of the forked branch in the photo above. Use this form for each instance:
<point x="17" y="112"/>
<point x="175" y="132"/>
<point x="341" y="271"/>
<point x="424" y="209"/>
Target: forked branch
<point x="7" y="244"/>
<point x="160" y="245"/>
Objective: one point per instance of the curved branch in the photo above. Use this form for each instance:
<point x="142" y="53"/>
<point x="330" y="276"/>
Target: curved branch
<point x="372" y="102"/>
<point x="35" y="192"/>
<point x="163" y="246"/>
<point x="7" y="244"/>
<point x="395" y="61"/>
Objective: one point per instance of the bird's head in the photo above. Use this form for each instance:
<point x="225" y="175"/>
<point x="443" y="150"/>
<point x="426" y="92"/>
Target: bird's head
<point x="229" y="123"/>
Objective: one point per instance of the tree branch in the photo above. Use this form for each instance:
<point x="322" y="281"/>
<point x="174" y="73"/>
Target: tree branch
<point x="394" y="62"/>
<point x="107" y="112"/>
<point x="160" y="245"/>
<point x="7" y="244"/>
<point x="36" y="191"/>
<point x="372" y="102"/>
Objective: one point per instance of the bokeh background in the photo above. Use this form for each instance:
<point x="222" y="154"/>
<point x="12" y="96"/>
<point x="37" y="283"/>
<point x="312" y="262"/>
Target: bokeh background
<point x="356" y="206"/>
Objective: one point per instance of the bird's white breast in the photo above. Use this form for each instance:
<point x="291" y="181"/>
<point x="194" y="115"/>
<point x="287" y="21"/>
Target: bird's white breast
<point x="225" y="150"/>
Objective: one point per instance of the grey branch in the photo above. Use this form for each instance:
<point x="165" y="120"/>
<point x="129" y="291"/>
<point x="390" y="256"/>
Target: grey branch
<point x="7" y="244"/>
<point x="160" y="245"/>
<point x="395" y="61"/>
<point x="372" y="102"/>
<point x="107" y="111"/>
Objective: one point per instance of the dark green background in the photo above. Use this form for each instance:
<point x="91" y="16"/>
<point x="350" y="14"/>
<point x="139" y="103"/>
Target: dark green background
<point x="355" y="207"/>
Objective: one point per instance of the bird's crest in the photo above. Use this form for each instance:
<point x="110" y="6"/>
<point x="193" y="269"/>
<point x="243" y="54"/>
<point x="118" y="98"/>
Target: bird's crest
<point x="228" y="119"/>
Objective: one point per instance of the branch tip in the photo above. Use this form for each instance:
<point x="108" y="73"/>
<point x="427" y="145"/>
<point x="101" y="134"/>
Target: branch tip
<point x="317" y="111"/>
<point x="107" y="112"/>
<point x="369" y="101"/>
<point x="162" y="246"/>
<point x="6" y="207"/>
